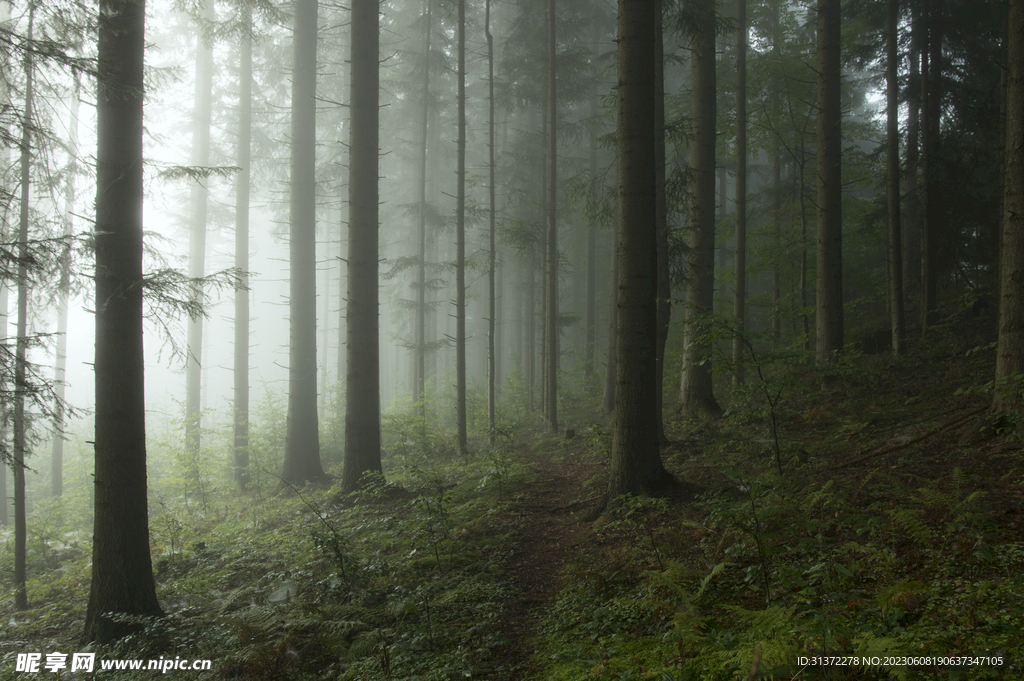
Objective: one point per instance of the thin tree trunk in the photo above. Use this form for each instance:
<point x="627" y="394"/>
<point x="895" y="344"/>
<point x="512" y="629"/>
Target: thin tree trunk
<point x="551" y="390"/>
<point x="829" y="304"/>
<point x="202" y="112"/>
<point x="696" y="393"/>
<point x="931" y="73"/>
<point x="591" y="311"/>
<point x="892" y="150"/>
<point x="1010" y="347"/>
<point x="491" y="232"/>
<point x="362" y="402"/>
<point x="636" y="465"/>
<point x="740" y="294"/>
<point x="912" y="224"/>
<point x="460" y="242"/>
<point x="302" y="436"/>
<point x="122" y="569"/>
<point x="777" y="242"/>
<point x="21" y="342"/>
<point x="64" y="287"/>
<point x="421" y="266"/>
<point x="241" y="349"/>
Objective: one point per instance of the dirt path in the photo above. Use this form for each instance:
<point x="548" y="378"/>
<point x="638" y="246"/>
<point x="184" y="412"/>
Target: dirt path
<point x="548" y="535"/>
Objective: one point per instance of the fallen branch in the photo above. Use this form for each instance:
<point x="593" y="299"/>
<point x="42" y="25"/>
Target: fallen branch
<point x="903" y="445"/>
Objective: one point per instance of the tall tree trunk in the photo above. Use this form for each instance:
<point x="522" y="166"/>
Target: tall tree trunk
<point x="122" y="569"/>
<point x="740" y="294"/>
<point x="491" y="231"/>
<point x="912" y="223"/>
<point x="663" y="304"/>
<point x="892" y="151"/>
<point x="202" y="111"/>
<point x="421" y="266"/>
<point x="460" y="242"/>
<point x="931" y="73"/>
<point x="1010" y="347"/>
<point x="829" y="305"/>
<point x="636" y="461"/>
<point x="302" y="434"/>
<point x="362" y="402"/>
<point x="64" y="288"/>
<point x="551" y="390"/>
<point x="696" y="393"/>
<point x="243" y="155"/>
<point x="590" y="321"/>
<point x="777" y="243"/>
<point x="21" y="342"/>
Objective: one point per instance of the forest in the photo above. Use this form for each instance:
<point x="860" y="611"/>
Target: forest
<point x="678" y="340"/>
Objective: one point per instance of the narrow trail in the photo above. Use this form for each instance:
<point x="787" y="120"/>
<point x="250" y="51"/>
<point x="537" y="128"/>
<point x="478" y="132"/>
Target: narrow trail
<point x="548" y="535"/>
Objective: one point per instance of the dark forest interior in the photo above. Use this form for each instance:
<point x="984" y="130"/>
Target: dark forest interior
<point x="512" y="339"/>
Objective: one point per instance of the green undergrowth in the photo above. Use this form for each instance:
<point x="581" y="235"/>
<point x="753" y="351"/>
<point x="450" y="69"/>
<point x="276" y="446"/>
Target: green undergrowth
<point x="826" y="530"/>
<point x="400" y="581"/>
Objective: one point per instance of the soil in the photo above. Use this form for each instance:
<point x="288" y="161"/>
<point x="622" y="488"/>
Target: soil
<point x="549" y="532"/>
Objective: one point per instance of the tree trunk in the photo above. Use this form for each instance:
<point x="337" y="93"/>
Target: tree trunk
<point x="302" y="435"/>
<point x="590" y="322"/>
<point x="491" y="231"/>
<point x="21" y="342"/>
<point x="421" y="267"/>
<point x="551" y="386"/>
<point x="1010" y="348"/>
<point x="64" y="288"/>
<point x="829" y="303"/>
<point x="362" y="402"/>
<point x="892" y="151"/>
<point x="460" y="243"/>
<point x="122" y="570"/>
<point x="912" y="223"/>
<point x="636" y="461"/>
<point x="696" y="393"/>
<point x="664" y="303"/>
<point x="202" y="111"/>
<point x="241" y="354"/>
<point x="931" y="73"/>
<point x="740" y="294"/>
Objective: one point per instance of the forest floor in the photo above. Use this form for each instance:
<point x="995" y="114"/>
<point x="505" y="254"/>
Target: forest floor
<point x="548" y="533"/>
<point x="879" y="519"/>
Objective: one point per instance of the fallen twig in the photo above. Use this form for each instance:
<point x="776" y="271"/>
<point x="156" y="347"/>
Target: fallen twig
<point x="903" y="445"/>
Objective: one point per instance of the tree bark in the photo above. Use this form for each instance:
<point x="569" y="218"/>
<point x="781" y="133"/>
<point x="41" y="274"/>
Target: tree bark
<point x="696" y="394"/>
<point x="362" y="403"/>
<point x="241" y="349"/>
<point x="122" y="570"/>
<point x="460" y="242"/>
<point x="829" y="303"/>
<point x="1010" y="346"/>
<point x="64" y="288"/>
<point x="21" y="342"/>
<point x="931" y="73"/>
<point x="421" y="267"/>
<point x="740" y="294"/>
<point x="892" y="151"/>
<point x="302" y="435"/>
<point x="491" y="229"/>
<point x="551" y="390"/>
<point x="199" y="194"/>
<point x="636" y="465"/>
